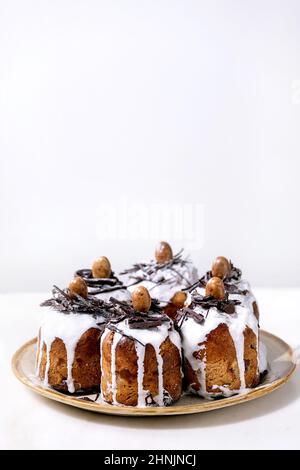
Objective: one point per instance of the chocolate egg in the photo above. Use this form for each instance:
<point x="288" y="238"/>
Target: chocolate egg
<point x="163" y="252"/>
<point x="179" y="299"/>
<point x="141" y="299"/>
<point x="78" y="287"/>
<point x="101" y="268"/>
<point x="221" y="267"/>
<point x="215" y="288"/>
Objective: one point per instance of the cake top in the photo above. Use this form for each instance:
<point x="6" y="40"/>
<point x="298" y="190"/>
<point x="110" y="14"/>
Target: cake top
<point x="76" y="300"/>
<point x="164" y="273"/>
<point x="141" y="312"/>
<point x="230" y="274"/>
<point x="141" y="320"/>
<point x="100" y="279"/>
<point x="216" y="297"/>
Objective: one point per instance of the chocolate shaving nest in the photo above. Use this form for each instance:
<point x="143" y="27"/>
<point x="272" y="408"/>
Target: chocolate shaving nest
<point x="100" y="285"/>
<point x="147" y="270"/>
<point x="189" y="313"/>
<point x="114" y="311"/>
<point x="229" y="282"/>
<point x="137" y="320"/>
<point x="63" y="302"/>
<point x="226" y="306"/>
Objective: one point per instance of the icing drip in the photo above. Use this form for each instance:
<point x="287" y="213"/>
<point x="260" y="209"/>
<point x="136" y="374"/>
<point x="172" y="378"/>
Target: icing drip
<point x="159" y="399"/>
<point x="262" y="358"/>
<point x="141" y="337"/>
<point x="48" y="349"/>
<point x="109" y="386"/>
<point x="38" y="356"/>
<point x="69" y="328"/>
<point x="195" y="334"/>
<point x="202" y="370"/>
<point x="116" y="339"/>
<point x="237" y="334"/>
<point x="70" y="360"/>
<point x="142" y="394"/>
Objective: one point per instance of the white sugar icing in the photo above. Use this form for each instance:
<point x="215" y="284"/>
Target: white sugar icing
<point x="69" y="328"/>
<point x="185" y="276"/>
<point x="119" y="294"/>
<point x="154" y="336"/>
<point x="194" y="336"/>
<point x="262" y="357"/>
<point x="142" y="394"/>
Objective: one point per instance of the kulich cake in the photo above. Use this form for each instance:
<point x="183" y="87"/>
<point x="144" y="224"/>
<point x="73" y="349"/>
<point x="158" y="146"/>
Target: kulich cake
<point x="236" y="286"/>
<point x="140" y="355"/>
<point x="141" y="341"/>
<point x="220" y="340"/>
<point x="102" y="282"/>
<point x="164" y="276"/>
<point x="68" y="355"/>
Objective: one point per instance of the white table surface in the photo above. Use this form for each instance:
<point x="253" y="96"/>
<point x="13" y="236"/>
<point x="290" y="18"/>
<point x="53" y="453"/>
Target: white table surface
<point x="32" y="422"/>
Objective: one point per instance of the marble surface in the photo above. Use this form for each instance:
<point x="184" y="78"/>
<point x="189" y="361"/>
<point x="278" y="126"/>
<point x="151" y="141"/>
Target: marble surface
<point x="32" y="422"/>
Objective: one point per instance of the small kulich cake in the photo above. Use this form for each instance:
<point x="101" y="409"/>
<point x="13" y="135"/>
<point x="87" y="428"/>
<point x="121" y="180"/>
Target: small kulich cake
<point x="220" y="340"/>
<point x="164" y="276"/>
<point x="102" y="282"/>
<point x="68" y="353"/>
<point x="236" y="286"/>
<point x="140" y="355"/>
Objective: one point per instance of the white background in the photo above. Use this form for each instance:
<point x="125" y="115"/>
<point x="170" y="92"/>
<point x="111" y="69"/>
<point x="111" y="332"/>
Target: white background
<point x="163" y="102"/>
<point x="177" y="104"/>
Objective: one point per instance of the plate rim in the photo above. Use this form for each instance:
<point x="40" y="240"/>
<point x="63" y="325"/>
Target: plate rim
<point x="106" y="408"/>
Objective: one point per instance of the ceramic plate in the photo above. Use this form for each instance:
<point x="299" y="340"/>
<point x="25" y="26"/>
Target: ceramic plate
<point x="281" y="367"/>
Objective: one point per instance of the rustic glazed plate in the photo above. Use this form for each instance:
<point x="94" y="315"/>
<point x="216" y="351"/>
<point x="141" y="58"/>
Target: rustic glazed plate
<point x="281" y="367"/>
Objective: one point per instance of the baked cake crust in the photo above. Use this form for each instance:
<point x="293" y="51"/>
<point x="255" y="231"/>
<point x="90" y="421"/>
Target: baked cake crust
<point x="86" y="372"/>
<point x="221" y="365"/>
<point x="126" y="371"/>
